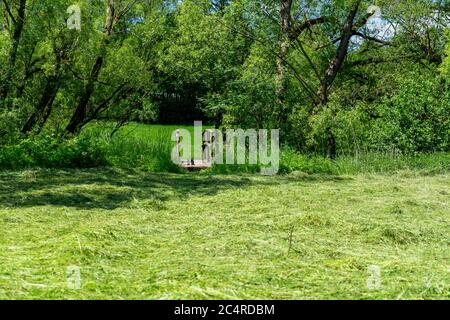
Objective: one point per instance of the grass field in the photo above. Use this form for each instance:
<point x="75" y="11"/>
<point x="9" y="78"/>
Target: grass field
<point x="148" y="148"/>
<point x="138" y="235"/>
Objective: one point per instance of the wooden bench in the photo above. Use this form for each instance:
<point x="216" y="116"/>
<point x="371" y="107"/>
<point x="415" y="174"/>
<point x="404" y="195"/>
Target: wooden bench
<point x="195" y="165"/>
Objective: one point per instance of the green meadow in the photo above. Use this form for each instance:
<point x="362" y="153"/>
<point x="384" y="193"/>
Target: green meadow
<point x="316" y="231"/>
<point x="93" y="207"/>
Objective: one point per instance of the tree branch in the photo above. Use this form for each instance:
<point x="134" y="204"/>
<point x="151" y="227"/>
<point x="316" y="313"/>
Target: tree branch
<point x="9" y="12"/>
<point x="297" y="30"/>
<point x="359" y="34"/>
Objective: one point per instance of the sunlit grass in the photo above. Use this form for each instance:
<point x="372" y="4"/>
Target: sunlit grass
<point x="311" y="232"/>
<point x="162" y="236"/>
<point x="149" y="147"/>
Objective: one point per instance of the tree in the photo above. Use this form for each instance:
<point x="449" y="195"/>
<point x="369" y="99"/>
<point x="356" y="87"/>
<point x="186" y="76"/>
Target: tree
<point x="292" y="31"/>
<point x="445" y="68"/>
<point x="79" y="116"/>
<point x="63" y="46"/>
<point x="17" y="22"/>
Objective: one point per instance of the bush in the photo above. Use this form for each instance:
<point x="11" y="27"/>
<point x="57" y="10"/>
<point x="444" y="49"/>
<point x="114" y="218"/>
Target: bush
<point x="292" y="161"/>
<point x="416" y="119"/>
<point x="52" y="152"/>
<point x="147" y="148"/>
<point x="376" y="163"/>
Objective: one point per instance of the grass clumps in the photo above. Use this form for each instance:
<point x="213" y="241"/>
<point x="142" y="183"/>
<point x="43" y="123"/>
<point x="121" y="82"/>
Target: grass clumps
<point x="149" y="148"/>
<point x="52" y="152"/>
<point x="137" y="235"/>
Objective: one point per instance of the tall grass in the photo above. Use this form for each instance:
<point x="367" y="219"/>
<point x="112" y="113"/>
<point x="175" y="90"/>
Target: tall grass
<point x="149" y="148"/>
<point x="48" y="151"/>
<point x="369" y="162"/>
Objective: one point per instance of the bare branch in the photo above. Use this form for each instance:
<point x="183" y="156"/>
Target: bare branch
<point x="359" y="34"/>
<point x="297" y="30"/>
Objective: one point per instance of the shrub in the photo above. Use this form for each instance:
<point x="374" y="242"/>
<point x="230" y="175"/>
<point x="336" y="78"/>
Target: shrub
<point x="416" y="119"/>
<point x="51" y="152"/>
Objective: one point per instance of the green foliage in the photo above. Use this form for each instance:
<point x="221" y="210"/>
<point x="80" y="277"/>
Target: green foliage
<point x="217" y="60"/>
<point x="249" y="100"/>
<point x="148" y="148"/>
<point x="417" y="118"/>
<point x="52" y="152"/>
<point x="411" y="116"/>
<point x="445" y="67"/>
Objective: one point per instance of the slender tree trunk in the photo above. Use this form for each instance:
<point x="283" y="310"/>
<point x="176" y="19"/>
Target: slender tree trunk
<point x="42" y="111"/>
<point x="40" y="115"/>
<point x="333" y="70"/>
<point x="285" y="25"/>
<point x="340" y="56"/>
<point x="81" y="112"/>
<point x="6" y="17"/>
<point x="17" y="34"/>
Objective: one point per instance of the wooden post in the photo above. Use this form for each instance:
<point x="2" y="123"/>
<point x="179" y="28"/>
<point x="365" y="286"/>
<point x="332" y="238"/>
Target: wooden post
<point x="178" y="146"/>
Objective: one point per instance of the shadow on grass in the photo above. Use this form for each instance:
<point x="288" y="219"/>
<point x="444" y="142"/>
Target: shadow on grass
<point x="111" y="188"/>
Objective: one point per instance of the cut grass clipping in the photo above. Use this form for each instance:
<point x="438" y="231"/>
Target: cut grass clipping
<point x="120" y="234"/>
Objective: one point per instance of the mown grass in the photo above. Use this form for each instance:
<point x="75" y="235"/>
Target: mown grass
<point x="311" y="232"/>
<point x="139" y="235"/>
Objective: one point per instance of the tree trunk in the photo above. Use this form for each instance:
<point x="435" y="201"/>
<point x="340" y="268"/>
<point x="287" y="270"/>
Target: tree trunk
<point x="341" y="53"/>
<point x="81" y="112"/>
<point x="333" y="70"/>
<point x="43" y="110"/>
<point x="17" y="34"/>
<point x="285" y="24"/>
